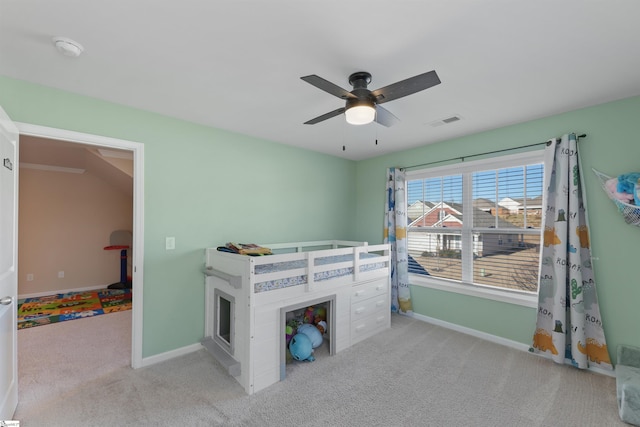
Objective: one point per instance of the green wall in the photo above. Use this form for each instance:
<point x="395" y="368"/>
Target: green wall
<point x="612" y="146"/>
<point x="205" y="187"/>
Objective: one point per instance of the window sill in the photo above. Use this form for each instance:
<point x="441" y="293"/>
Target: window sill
<point x="525" y="299"/>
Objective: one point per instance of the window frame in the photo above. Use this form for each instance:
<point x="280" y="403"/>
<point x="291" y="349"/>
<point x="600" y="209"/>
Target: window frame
<point x="466" y="169"/>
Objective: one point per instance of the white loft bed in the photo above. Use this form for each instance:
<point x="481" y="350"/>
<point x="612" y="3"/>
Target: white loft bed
<point x="247" y="299"/>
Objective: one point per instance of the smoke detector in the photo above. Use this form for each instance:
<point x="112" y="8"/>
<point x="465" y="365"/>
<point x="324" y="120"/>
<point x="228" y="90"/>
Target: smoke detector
<point x="68" y="47"/>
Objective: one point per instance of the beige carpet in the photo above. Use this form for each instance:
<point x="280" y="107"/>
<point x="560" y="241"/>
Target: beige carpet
<point x="449" y="379"/>
<point x="56" y="359"/>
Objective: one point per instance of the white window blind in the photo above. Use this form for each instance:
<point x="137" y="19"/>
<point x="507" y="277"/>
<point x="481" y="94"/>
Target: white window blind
<point x="480" y="225"/>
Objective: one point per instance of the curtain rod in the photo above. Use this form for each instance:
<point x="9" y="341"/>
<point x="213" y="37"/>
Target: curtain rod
<point x="461" y="158"/>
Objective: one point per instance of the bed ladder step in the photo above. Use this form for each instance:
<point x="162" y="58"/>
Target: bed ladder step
<point x="226" y="360"/>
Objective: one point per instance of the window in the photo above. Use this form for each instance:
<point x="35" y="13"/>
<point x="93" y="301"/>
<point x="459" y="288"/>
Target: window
<point x="478" y="223"/>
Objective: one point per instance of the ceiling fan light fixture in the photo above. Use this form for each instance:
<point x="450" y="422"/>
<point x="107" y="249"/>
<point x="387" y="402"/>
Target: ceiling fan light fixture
<point x="362" y="105"/>
<point x="360" y="114"/>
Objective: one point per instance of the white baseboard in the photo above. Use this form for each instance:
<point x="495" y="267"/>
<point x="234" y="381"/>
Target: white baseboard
<point x="496" y="339"/>
<point x="162" y="357"/>
<point x="152" y="360"/>
<point x="62" y="291"/>
<point x="473" y="332"/>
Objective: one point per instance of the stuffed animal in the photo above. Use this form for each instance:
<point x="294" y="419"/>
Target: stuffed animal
<point x="291" y="328"/>
<point x="308" y="315"/>
<point x="312" y="333"/>
<point x="627" y="184"/>
<point x="300" y="348"/>
<point x="288" y="333"/>
<point x="319" y="314"/>
<point x="612" y="186"/>
<point x="322" y="326"/>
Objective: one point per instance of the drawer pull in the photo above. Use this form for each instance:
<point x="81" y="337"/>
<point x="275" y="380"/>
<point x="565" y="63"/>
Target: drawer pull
<point x="359" y="293"/>
<point x="359" y="328"/>
<point x="380" y="287"/>
<point x="380" y="303"/>
<point x="380" y="319"/>
<point x="359" y="310"/>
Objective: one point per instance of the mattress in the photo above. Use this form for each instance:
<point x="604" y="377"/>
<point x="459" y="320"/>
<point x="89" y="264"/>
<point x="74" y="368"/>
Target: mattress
<point x="318" y="277"/>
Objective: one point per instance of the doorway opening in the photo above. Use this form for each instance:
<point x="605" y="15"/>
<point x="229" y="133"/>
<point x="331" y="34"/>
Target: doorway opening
<point x="94" y="143"/>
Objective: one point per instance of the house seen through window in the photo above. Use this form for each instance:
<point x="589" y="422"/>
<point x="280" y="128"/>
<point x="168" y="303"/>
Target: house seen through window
<point x="478" y="223"/>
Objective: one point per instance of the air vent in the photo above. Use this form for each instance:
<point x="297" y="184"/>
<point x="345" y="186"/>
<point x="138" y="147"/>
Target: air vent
<point x="446" y="121"/>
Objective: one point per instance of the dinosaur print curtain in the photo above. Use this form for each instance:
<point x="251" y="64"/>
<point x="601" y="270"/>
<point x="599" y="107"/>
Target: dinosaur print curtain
<point x="395" y="233"/>
<point x="569" y="326"/>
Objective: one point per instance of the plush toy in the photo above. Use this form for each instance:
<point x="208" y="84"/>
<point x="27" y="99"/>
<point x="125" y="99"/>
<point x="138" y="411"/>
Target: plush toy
<point x="312" y="333"/>
<point x="291" y="328"/>
<point x="300" y="348"/>
<point x="289" y="333"/>
<point x="627" y="184"/>
<point x="319" y="314"/>
<point x="612" y="186"/>
<point x="322" y="326"/>
<point x="308" y="315"/>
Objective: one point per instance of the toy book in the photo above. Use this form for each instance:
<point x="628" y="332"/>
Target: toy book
<point x="248" y="249"/>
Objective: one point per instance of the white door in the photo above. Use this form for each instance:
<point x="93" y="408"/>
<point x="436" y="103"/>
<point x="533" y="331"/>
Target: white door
<point x="8" y="267"/>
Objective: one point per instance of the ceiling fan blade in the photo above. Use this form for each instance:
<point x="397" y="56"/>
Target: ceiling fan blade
<point x="325" y="116"/>
<point x="327" y="86"/>
<point x="385" y="117"/>
<point x="406" y="87"/>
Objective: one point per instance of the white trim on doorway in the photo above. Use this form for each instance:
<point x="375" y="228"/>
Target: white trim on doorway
<point x="138" y="214"/>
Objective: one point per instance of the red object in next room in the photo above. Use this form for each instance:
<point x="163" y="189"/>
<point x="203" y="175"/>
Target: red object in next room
<point x="123" y="283"/>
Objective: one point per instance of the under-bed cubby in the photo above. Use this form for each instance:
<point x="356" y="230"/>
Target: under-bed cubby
<point x="297" y="311"/>
<point x="247" y="300"/>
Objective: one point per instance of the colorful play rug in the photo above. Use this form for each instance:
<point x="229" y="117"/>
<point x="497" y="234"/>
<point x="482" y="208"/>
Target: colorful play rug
<point x="73" y="305"/>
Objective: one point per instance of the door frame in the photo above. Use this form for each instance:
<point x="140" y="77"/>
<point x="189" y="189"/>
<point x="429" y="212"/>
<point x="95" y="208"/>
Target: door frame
<point x="137" y="264"/>
<point x="8" y="274"/>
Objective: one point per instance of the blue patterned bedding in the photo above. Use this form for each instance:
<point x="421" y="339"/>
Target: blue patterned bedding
<point x="319" y="276"/>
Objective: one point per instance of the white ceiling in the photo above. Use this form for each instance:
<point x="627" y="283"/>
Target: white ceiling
<point x="236" y="65"/>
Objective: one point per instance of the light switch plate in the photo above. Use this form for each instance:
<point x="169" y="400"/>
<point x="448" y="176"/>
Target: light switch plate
<point x="170" y="243"/>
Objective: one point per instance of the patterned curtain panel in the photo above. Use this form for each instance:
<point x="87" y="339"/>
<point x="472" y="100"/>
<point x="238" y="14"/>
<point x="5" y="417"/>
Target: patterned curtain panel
<point x="569" y="326"/>
<point x="395" y="233"/>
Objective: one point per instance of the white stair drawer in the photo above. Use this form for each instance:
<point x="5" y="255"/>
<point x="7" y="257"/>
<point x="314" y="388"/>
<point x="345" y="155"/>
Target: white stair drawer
<point x="360" y="309"/>
<point x="364" y="328"/>
<point x="368" y="290"/>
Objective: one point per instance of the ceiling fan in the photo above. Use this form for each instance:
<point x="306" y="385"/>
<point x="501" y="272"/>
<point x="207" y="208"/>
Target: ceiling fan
<point x="363" y="105"/>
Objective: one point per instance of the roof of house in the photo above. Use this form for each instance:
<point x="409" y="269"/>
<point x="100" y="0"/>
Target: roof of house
<point x="481" y="218"/>
<point x="484" y="204"/>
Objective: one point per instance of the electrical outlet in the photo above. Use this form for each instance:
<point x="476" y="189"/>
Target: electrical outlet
<point x="30" y="277"/>
<point x="60" y="274"/>
<point x="170" y="243"/>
